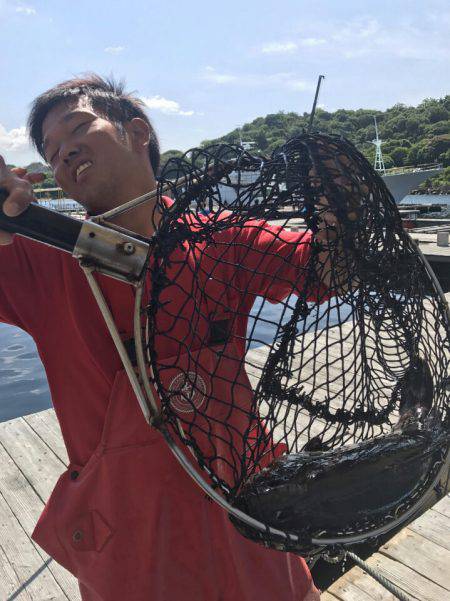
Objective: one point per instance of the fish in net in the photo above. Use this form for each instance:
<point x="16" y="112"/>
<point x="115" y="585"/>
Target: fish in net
<point x="298" y="341"/>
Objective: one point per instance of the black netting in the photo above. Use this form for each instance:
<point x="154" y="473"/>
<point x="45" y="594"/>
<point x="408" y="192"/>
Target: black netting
<point x="298" y="344"/>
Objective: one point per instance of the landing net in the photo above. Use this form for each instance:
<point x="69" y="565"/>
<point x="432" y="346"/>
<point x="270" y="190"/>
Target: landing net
<point x="299" y="343"/>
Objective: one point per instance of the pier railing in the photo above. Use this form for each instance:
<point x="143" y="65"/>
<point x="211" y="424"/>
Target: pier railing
<point x="413" y="168"/>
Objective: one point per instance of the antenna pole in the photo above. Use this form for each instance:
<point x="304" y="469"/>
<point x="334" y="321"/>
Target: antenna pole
<point x="313" y="110"/>
<point x="379" y="163"/>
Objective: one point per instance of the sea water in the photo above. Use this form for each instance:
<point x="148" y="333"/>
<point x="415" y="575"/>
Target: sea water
<point x="23" y="384"/>
<point x="435" y="199"/>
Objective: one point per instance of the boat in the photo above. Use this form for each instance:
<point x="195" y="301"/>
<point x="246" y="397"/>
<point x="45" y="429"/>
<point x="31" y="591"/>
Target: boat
<point x="402" y="180"/>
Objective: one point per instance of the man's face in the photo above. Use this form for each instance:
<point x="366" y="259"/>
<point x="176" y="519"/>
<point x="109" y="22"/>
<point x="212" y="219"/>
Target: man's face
<point x="91" y="160"/>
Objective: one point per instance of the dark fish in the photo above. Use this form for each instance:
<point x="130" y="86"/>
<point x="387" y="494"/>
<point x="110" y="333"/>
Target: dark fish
<point x="315" y="445"/>
<point x="340" y="489"/>
<point x="415" y="392"/>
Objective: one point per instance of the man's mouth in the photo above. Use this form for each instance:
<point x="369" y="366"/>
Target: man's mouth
<point x="81" y="168"/>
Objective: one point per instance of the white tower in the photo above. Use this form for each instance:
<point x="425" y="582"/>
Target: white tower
<point x="245" y="145"/>
<point x="379" y="163"/>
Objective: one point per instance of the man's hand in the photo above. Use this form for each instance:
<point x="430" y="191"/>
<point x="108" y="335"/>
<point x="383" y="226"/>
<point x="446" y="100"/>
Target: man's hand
<point x="18" y="183"/>
<point x="334" y="264"/>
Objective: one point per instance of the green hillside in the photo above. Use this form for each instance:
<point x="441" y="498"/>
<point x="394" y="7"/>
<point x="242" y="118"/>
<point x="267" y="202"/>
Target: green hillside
<point x="411" y="135"/>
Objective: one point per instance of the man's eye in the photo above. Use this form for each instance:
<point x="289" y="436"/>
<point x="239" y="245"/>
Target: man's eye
<point x="78" y="127"/>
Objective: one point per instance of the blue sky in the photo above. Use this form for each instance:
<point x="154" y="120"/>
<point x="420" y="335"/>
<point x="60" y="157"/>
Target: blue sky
<point x="204" y="68"/>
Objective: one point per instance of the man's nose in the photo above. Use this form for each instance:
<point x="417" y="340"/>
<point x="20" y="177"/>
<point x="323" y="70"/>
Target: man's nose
<point x="69" y="153"/>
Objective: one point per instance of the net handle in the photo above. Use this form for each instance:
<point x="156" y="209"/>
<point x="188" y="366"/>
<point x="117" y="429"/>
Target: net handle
<point x="213" y="172"/>
<point x="42" y="225"/>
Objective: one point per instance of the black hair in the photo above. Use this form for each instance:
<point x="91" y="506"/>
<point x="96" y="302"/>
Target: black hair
<point x="106" y="96"/>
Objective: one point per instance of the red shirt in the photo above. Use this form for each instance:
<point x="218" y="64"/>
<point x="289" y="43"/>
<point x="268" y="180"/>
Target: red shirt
<point x="44" y="292"/>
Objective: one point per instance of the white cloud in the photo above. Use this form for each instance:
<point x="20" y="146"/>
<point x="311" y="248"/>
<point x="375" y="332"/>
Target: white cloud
<point x="356" y="30"/>
<point x="114" y="49"/>
<point x="26" y="10"/>
<point x="287" y="80"/>
<point x="365" y="37"/>
<point x="14" y="139"/>
<point x="369" y="29"/>
<point x="291" y="47"/>
<point x="312" y="42"/>
<point x="279" y="48"/>
<point x="299" y="85"/>
<point x="210" y="74"/>
<point x="282" y="79"/>
<point x="166" y="106"/>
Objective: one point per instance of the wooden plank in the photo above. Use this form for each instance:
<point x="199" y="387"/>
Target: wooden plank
<point x="356" y="585"/>
<point x="9" y="582"/>
<point x="18" y="494"/>
<point x="313" y="374"/>
<point x="46" y="426"/>
<point x="433" y="526"/>
<point x="26" y="561"/>
<point x="416" y="560"/>
<point x="33" y="457"/>
<point x="327" y="596"/>
<point x="443" y="506"/>
<point x="24" y="502"/>
<point x="419" y="554"/>
<point x="408" y="580"/>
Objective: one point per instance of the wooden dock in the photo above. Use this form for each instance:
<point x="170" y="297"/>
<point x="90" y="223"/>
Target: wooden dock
<point x="32" y="456"/>
<point x="428" y="245"/>
<point x="417" y="560"/>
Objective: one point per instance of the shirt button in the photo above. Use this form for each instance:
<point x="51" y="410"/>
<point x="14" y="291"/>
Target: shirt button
<point x="77" y="536"/>
<point x="74" y="475"/>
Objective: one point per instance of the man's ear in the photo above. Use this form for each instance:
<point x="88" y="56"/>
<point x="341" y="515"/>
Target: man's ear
<point x="139" y="134"/>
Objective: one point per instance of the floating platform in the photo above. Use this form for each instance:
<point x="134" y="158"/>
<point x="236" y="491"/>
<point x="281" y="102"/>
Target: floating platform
<point x="429" y="247"/>
<point x="417" y="560"/>
<point x="32" y="456"/>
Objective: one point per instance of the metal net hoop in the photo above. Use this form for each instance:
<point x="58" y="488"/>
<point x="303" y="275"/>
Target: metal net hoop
<point x="299" y="369"/>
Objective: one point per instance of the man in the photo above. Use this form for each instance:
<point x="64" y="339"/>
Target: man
<point x="124" y="518"/>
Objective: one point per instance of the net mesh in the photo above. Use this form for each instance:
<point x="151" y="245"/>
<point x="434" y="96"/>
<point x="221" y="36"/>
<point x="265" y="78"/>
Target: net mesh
<point x="298" y="345"/>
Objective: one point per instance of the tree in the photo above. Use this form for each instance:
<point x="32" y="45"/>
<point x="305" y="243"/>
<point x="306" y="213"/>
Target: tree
<point x="276" y="143"/>
<point x="260" y="140"/>
<point x="437" y="113"/>
<point x="445" y="158"/>
<point x="388" y="161"/>
<point x="398" y="156"/>
<point x="275" y="120"/>
<point x="412" y="126"/>
<point x="38" y="168"/>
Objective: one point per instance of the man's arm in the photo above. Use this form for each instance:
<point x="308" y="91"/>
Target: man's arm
<point x="334" y="262"/>
<point x="18" y="282"/>
<point x="273" y="262"/>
